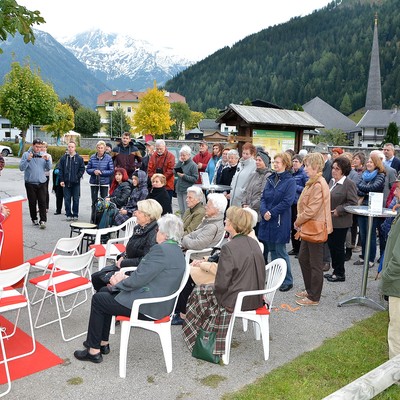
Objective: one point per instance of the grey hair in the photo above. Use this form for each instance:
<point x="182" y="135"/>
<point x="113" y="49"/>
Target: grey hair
<point x="219" y="201"/>
<point x="185" y="149"/>
<point x="197" y="192"/>
<point x="254" y="215"/>
<point x="160" y="142"/>
<point x="171" y="226"/>
<point x="378" y="153"/>
<point x="233" y="152"/>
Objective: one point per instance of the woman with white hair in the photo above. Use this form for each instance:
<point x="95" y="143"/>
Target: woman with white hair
<point x="195" y="211"/>
<point x="159" y="274"/>
<point x="186" y="171"/>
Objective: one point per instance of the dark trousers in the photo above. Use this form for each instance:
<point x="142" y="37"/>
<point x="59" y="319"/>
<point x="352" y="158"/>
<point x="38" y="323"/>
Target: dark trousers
<point x="295" y="242"/>
<point x="184" y="296"/>
<point x="363" y="226"/>
<point x="311" y="264"/>
<point x="37" y="198"/>
<point x="72" y="191"/>
<point x="336" y="243"/>
<point x="47" y="193"/>
<point x="59" y="191"/>
<point x="96" y="192"/>
<point x="104" y="306"/>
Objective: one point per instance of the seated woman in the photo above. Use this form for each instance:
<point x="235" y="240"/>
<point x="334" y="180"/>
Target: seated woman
<point x="143" y="238"/>
<point x="139" y="192"/>
<point x="160" y="194"/>
<point x="120" y="188"/>
<point x="159" y="274"/>
<point x="210" y="231"/>
<point x="241" y="267"/>
<point x="195" y="211"/>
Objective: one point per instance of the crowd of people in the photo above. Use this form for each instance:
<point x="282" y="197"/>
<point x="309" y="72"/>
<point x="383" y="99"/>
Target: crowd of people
<point x="298" y="198"/>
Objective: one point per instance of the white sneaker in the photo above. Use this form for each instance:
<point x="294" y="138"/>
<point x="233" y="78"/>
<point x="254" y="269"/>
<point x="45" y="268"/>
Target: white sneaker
<point x="42" y="225"/>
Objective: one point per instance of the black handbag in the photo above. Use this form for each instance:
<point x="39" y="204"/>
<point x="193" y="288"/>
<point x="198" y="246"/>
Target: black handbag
<point x="204" y="347"/>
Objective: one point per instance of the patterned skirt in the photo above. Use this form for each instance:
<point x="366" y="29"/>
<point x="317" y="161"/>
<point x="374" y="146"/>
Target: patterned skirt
<point x="203" y="311"/>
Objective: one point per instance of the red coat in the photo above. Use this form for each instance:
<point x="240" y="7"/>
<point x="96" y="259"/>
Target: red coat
<point x="202" y="158"/>
<point x="164" y="162"/>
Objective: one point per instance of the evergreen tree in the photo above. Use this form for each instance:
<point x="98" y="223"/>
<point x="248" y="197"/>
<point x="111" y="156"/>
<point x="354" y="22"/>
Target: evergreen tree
<point x="345" y="106"/>
<point x="392" y="134"/>
<point x="118" y="123"/>
<point x="87" y="121"/>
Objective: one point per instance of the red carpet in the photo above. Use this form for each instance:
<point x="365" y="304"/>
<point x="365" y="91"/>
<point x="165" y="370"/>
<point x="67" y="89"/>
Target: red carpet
<point x="40" y="360"/>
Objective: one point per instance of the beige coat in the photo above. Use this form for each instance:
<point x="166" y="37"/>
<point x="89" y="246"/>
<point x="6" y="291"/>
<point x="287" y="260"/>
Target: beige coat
<point x="315" y="203"/>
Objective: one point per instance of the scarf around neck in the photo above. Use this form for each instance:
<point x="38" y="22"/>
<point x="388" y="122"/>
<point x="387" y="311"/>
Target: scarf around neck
<point x="369" y="176"/>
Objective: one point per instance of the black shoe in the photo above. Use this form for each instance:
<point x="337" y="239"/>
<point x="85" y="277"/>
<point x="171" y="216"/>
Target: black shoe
<point x="348" y="254"/>
<point x="293" y="252"/>
<point x="327" y="276"/>
<point x="103" y="349"/>
<point x="57" y="213"/>
<point x="84" y="355"/>
<point x="336" y="278"/>
<point x="285" y="288"/>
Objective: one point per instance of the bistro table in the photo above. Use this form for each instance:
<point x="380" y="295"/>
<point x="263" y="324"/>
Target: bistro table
<point x="213" y="188"/>
<point x="364" y="211"/>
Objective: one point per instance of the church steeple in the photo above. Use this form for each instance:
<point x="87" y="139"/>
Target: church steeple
<point x="373" y="99"/>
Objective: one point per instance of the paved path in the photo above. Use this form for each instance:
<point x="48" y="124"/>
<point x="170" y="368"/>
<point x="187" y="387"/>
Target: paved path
<point x="293" y="332"/>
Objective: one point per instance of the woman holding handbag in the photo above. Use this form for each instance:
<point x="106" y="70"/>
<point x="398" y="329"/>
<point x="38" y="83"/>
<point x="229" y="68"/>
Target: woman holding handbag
<point x="313" y="224"/>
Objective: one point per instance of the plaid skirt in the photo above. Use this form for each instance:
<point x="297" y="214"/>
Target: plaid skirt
<point x="203" y="311"/>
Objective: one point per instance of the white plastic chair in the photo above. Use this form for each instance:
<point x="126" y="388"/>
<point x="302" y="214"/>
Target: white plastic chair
<point x="5" y="362"/>
<point x="64" y="246"/>
<point x="113" y="247"/>
<point x="275" y="273"/>
<point x="162" y="326"/>
<point x="14" y="300"/>
<point x="61" y="282"/>
<point x="205" y="251"/>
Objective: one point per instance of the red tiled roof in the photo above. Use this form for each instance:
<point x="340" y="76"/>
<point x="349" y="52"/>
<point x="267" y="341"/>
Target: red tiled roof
<point x="130" y="96"/>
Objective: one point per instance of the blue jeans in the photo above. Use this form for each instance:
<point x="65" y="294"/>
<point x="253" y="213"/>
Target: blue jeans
<point x="72" y="192"/>
<point x="278" y="250"/>
<point x="363" y="226"/>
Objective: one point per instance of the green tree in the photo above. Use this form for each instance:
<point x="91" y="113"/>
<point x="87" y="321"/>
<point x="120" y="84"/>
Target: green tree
<point x="63" y="121"/>
<point x="345" y="105"/>
<point x="392" y="134"/>
<point x="180" y="114"/>
<point x="152" y="115"/>
<point x="333" y="137"/>
<point x="211" y="113"/>
<point x="25" y="99"/>
<point x="72" y="101"/>
<point x="87" y="121"/>
<point x="118" y="122"/>
<point x="15" y="18"/>
<point x="195" y="118"/>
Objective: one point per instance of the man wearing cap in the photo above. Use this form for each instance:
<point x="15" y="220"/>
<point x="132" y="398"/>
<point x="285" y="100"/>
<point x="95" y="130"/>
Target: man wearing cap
<point x="34" y="164"/>
<point x="201" y="159"/>
<point x="327" y="170"/>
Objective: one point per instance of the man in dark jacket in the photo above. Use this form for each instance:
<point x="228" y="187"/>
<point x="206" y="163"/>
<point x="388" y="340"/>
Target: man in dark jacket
<point x="71" y="170"/>
<point x="126" y="155"/>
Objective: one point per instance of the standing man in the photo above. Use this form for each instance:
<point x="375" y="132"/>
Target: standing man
<point x="390" y="285"/>
<point x="149" y="152"/>
<point x="201" y="159"/>
<point x="71" y="170"/>
<point x="126" y="155"/>
<point x="35" y="164"/>
<point x="163" y="162"/>
<point x="391" y="160"/>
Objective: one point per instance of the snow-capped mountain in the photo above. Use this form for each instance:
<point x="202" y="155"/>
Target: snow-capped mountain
<point x="122" y="62"/>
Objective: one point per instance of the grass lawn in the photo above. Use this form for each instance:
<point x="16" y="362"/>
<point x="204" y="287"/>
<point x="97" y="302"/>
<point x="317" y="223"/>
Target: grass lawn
<point x="335" y="364"/>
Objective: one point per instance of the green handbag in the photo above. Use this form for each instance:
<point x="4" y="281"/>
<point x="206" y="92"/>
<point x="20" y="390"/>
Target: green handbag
<point x="204" y="347"/>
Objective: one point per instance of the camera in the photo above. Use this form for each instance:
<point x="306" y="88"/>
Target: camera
<point x="36" y="155"/>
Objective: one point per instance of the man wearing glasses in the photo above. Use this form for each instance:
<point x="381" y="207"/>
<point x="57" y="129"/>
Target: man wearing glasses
<point x="35" y="163"/>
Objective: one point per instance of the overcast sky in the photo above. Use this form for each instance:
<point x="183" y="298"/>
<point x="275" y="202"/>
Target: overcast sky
<point x="195" y="29"/>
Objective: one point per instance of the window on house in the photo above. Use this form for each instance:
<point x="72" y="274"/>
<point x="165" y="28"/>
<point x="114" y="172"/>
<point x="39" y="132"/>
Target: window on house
<point x="380" y="132"/>
<point x="5" y="126"/>
<point x="129" y="109"/>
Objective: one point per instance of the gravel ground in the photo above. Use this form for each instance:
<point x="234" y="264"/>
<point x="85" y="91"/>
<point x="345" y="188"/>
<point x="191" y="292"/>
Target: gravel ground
<point x="293" y="330"/>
